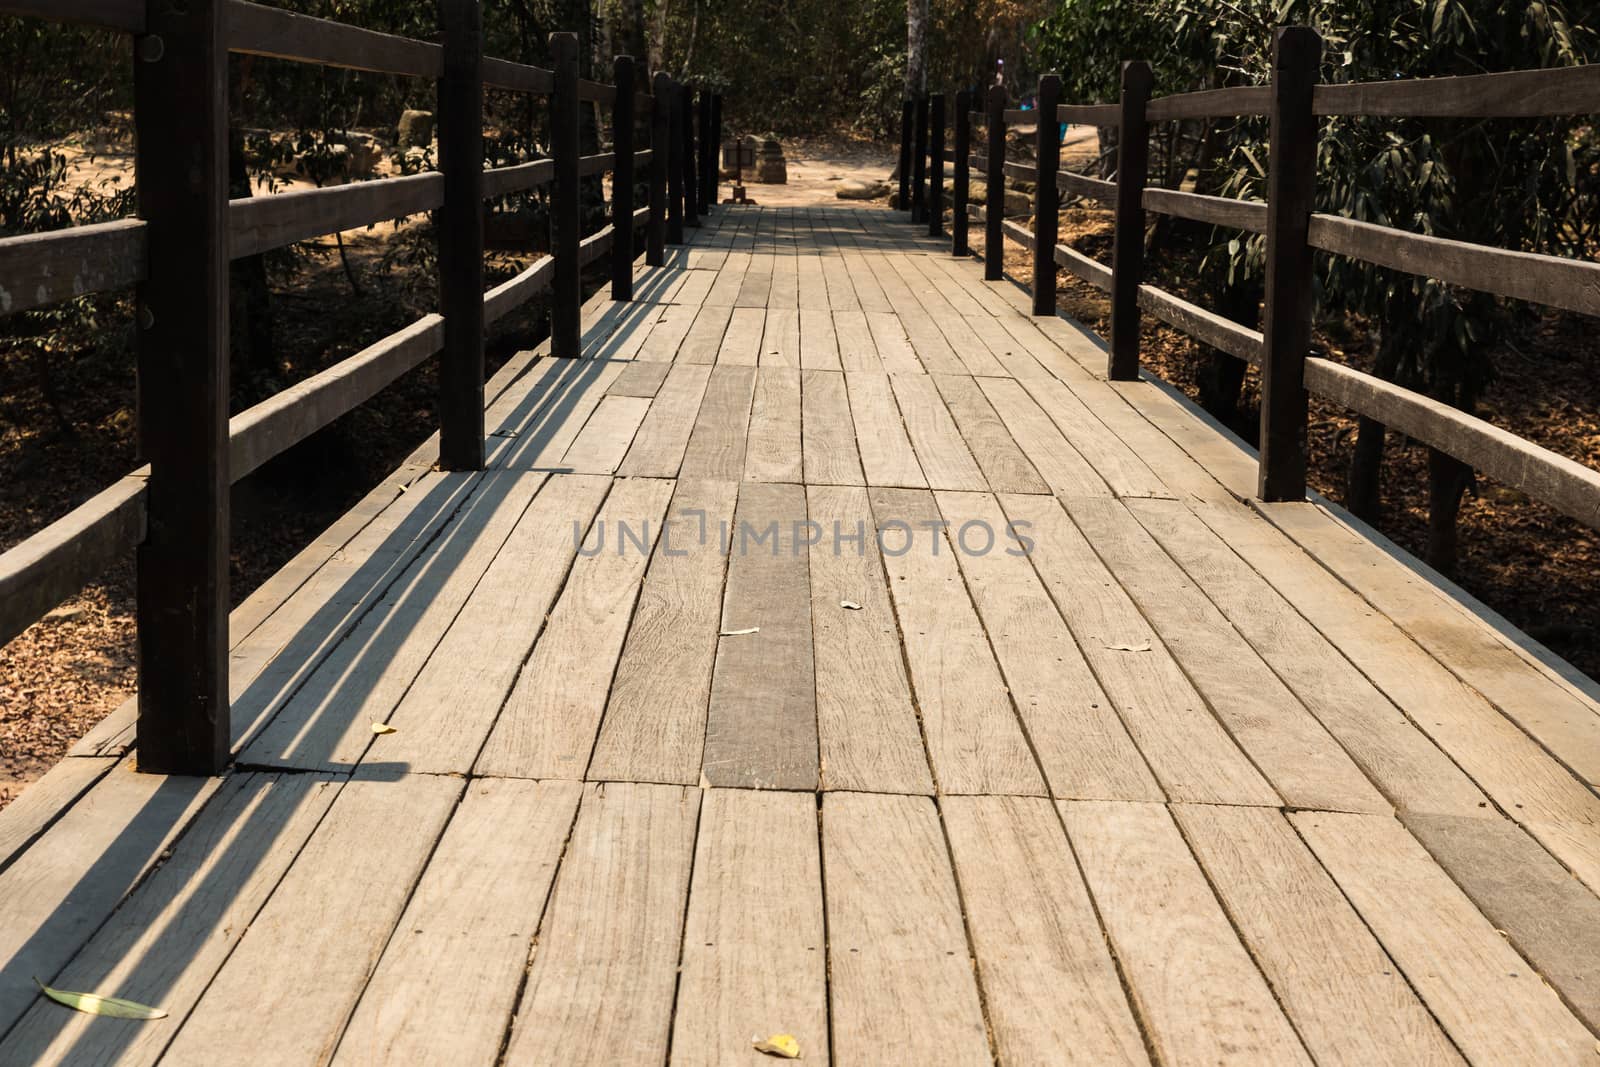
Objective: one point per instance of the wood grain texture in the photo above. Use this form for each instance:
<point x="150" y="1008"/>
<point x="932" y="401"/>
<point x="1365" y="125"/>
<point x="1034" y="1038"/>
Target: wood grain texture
<point x="600" y="987"/>
<point x="830" y="456"/>
<point x="887" y="457"/>
<point x="716" y="447"/>
<point x="773" y="451"/>
<point x="745" y="910"/>
<point x="1194" y="985"/>
<point x="1061" y="465"/>
<point x="658" y="448"/>
<point x="1004" y="466"/>
<point x="901" y="987"/>
<point x="1487" y="998"/>
<point x="941" y="453"/>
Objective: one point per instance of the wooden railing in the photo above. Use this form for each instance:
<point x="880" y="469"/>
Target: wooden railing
<point x="173" y="512"/>
<point x="1292" y="103"/>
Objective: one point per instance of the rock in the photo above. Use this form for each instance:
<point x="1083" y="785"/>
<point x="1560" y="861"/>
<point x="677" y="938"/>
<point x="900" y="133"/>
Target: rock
<point x="855" y="189"/>
<point x="977" y="192"/>
<point x="1018" y="203"/>
<point x="415" y="129"/>
<point x="771" y="167"/>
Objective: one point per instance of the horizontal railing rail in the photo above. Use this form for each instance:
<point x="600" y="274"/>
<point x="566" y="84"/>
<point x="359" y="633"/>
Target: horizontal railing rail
<point x="1293" y="102"/>
<point x="172" y="513"/>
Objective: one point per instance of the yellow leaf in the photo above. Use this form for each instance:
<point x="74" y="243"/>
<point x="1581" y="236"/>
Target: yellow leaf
<point x="382" y="728"/>
<point x="783" y="1046"/>
<point x="94" y="1004"/>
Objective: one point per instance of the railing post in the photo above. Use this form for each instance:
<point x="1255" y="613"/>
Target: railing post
<point x="460" y="236"/>
<point x="566" y="209"/>
<point x="1291" y="195"/>
<point x="919" y="163"/>
<point x="716" y="145"/>
<point x="181" y="114"/>
<point x="963" y="175"/>
<point x="622" y="126"/>
<point x="691" y="193"/>
<point x="1127" y="252"/>
<point x="675" y="164"/>
<point x="708" y="172"/>
<point x="1046" y="197"/>
<point x="655" y="234"/>
<point x="994" y="184"/>
<point x="904" y="203"/>
<point x="936" y="168"/>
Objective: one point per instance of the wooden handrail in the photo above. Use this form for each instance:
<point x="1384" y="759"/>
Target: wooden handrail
<point x="125" y="15"/>
<point x="1250" y="215"/>
<point x="1211" y="103"/>
<point x="45" y="268"/>
<point x="518" y="77"/>
<point x="260" y="223"/>
<point x="253" y="29"/>
<point x="1512" y="94"/>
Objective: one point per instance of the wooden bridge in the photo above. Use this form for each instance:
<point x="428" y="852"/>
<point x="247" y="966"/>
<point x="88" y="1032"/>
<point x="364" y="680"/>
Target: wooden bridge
<point x="830" y="644"/>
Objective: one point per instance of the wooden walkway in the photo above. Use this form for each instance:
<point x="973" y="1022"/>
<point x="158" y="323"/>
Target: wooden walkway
<point x="1190" y="781"/>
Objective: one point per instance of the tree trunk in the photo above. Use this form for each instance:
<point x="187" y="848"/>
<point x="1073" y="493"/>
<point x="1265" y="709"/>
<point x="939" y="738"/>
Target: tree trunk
<point x="1363" y="488"/>
<point x="916" y="47"/>
<point x="250" y="298"/>
<point x="1448" y="479"/>
<point x="1221" y="382"/>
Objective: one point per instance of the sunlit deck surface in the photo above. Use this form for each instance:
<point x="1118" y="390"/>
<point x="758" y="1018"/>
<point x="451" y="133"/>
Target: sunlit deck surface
<point x="1193" y="780"/>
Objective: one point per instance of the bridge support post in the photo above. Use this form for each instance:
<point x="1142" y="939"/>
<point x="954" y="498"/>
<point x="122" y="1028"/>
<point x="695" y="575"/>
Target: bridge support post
<point x="1046" y="197"/>
<point x="691" y="190"/>
<point x="919" y="163"/>
<point x="1127" y="252"/>
<point x="936" y="167"/>
<point x="181" y="113"/>
<point x="994" y="201"/>
<point x="1291" y="195"/>
<point x="566" y="208"/>
<point x="460" y="236"/>
<point x="622" y="126"/>
<point x="655" y="233"/>
<point x="961" y="181"/>
<point x="904" y="203"/>
<point x="674" y="162"/>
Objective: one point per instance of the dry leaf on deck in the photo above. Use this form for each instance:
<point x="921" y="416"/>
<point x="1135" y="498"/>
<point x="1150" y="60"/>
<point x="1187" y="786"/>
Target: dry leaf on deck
<point x="382" y="728"/>
<point x="783" y="1046"/>
<point x="1143" y="646"/>
<point x="94" y="1004"/>
<point x="849" y="605"/>
<point x="741" y="633"/>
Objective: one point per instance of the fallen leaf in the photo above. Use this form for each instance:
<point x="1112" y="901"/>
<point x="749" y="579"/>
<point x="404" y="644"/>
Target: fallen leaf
<point x="94" y="1004"/>
<point x="382" y="728"/>
<point x="1143" y="646"/>
<point x="510" y="435"/>
<point x="849" y="605"/>
<point x="741" y="633"/>
<point x="783" y="1046"/>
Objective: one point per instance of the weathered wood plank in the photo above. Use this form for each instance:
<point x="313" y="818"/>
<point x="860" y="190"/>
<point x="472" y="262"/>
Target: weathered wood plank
<point x="941" y="453"/>
<point x="600" y="988"/>
<point x="704" y="339"/>
<point x="658" y="447"/>
<point x="1487" y="998"/>
<point x="716" y="448"/>
<point x="887" y="457"/>
<point x="1123" y="470"/>
<point x="857" y="349"/>
<point x="448" y="978"/>
<point x="828" y="431"/>
<point x="819" y="341"/>
<point x="761" y="728"/>
<point x="1063" y="468"/>
<point x="326" y="923"/>
<point x="741" y="345"/>
<point x="541" y="437"/>
<point x="773" y="453"/>
<point x="893" y="344"/>
<point x="548" y="726"/>
<point x="1197" y="990"/>
<point x="901" y="984"/>
<point x="642" y="379"/>
<point x="1051" y="989"/>
<point x="780" y="339"/>
<point x="654" y="725"/>
<point x="973" y="738"/>
<point x="732" y="984"/>
<point x="1004" y="466"/>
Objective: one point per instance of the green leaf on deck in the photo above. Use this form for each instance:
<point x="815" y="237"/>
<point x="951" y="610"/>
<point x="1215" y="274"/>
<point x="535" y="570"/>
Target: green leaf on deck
<point x="94" y="1004"/>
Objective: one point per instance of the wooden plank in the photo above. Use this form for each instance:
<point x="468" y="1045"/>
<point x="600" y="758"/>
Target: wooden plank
<point x="600" y="988"/>
<point x="259" y="224"/>
<point x="901" y="985"/>
<point x="1330" y="975"/>
<point x="540" y="438"/>
<point x="971" y="730"/>
<point x="1211" y="103"/>
<point x="780" y="340"/>
<point x="1072" y="726"/>
<point x="716" y="448"/>
<point x="1063" y="468"/>
<point x="1190" y="753"/>
<point x="45" y="799"/>
<point x="326" y="724"/>
<point x="1004" y="467"/>
<point x="773" y="453"/>
<point x="756" y="285"/>
<point x="1399" y="758"/>
<point x="828" y="432"/>
<point x="894" y="346"/>
<point x="867" y="727"/>
<point x="704" y="339"/>
<point x="1050" y="987"/>
<point x="1548" y="916"/>
<point x="887" y="457"/>
<point x="1123" y="470"/>
<point x="658" y="448"/>
<point x="265" y="31"/>
<point x="741" y="345"/>
<point x="167" y="941"/>
<point x="326" y="923"/>
<point x="1250" y="215"/>
<point x="37" y="269"/>
<point x="731" y="987"/>
<point x="640" y="379"/>
<point x="1295" y="752"/>
<point x="606" y="435"/>
<point x="1483" y="994"/>
<point x="819" y="342"/>
<point x="475" y="665"/>
<point x="1510" y="94"/>
<point x="654" y="724"/>
<point x="548" y="726"/>
<point x="59" y="891"/>
<point x="448" y="978"/>
<point x="761" y="728"/>
<point x="941" y="453"/>
<point x="667" y="333"/>
<point x="857" y="349"/>
<point x="1194" y="985"/>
